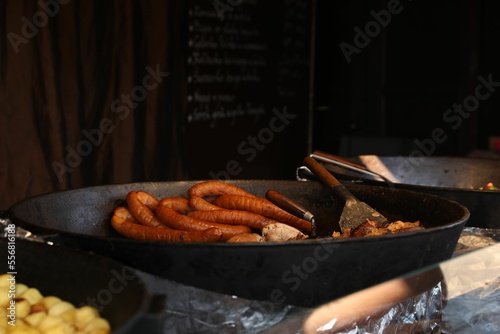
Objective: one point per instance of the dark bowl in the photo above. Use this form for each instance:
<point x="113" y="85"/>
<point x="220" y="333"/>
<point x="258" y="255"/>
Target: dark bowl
<point x="114" y="290"/>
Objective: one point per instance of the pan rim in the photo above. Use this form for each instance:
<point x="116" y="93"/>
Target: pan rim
<point x="53" y="233"/>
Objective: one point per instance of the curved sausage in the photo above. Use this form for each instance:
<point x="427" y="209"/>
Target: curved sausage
<point x="234" y="217"/>
<point x="177" y="221"/>
<point x="199" y="203"/>
<point x="263" y="207"/>
<point x="141" y="232"/>
<point x="141" y="212"/>
<point x="125" y="214"/>
<point x="216" y="188"/>
<point x="179" y="204"/>
<point x="147" y="199"/>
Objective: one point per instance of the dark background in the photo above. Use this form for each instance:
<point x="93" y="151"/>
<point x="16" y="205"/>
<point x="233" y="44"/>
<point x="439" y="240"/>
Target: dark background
<point x="396" y="90"/>
<point x="392" y="95"/>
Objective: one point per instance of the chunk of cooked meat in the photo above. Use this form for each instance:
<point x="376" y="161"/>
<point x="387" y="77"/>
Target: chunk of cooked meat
<point x="371" y="228"/>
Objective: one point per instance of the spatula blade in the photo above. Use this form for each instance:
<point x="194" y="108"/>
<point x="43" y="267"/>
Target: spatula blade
<point x="354" y="211"/>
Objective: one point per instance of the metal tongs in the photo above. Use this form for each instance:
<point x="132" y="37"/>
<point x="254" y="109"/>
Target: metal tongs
<point x="330" y="159"/>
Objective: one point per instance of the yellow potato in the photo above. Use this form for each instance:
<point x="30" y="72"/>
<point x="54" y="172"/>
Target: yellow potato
<point x="23" y="309"/>
<point x="69" y="316"/>
<point x="32" y="295"/>
<point x="59" y="308"/>
<point x="38" y="314"/>
<point x="48" y="322"/>
<point x="22" y="330"/>
<point x="97" y="323"/>
<point x="48" y="301"/>
<point x="4" y="321"/>
<point x="4" y="296"/>
<point x="35" y="318"/>
<point x="85" y="315"/>
<point x="62" y="328"/>
<point x="20" y="288"/>
<point x="20" y="324"/>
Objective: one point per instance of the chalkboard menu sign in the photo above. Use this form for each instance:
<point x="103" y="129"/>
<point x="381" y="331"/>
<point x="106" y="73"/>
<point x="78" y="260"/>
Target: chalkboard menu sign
<point x="247" y="87"/>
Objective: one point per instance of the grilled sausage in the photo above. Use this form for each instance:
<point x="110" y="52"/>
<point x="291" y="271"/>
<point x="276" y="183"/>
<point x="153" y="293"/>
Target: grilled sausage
<point x="199" y="203"/>
<point x="216" y="188"/>
<point x="141" y="232"/>
<point x="179" y="204"/>
<point x="234" y="217"/>
<point x="178" y="221"/>
<point x="141" y="212"/>
<point x="265" y="208"/>
<point x="148" y="199"/>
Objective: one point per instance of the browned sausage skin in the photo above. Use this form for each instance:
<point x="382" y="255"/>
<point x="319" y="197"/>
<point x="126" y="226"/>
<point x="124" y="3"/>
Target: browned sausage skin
<point x="179" y="204"/>
<point x="216" y="188"/>
<point x="234" y="217"/>
<point x="147" y="199"/>
<point x="125" y="214"/>
<point x="141" y="212"/>
<point x="214" y="211"/>
<point x="263" y="207"/>
<point x="199" y="203"/>
<point x="141" y="232"/>
<point x="178" y="221"/>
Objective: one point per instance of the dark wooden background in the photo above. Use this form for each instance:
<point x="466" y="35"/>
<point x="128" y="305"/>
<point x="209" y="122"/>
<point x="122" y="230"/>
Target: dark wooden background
<point x="396" y="90"/>
<point x="392" y="94"/>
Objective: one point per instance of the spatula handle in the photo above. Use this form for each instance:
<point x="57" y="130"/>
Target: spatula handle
<point x="321" y="172"/>
<point x="288" y="205"/>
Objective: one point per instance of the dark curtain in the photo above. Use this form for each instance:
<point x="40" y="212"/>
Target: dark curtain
<point x="84" y="92"/>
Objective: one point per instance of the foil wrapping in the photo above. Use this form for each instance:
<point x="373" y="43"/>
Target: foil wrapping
<point x="466" y="300"/>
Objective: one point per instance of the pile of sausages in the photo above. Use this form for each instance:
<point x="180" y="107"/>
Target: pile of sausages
<point x="215" y="211"/>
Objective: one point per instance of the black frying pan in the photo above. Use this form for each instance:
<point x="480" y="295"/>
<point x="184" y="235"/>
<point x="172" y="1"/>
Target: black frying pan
<point x="82" y="279"/>
<point x="455" y="178"/>
<point x="304" y="273"/>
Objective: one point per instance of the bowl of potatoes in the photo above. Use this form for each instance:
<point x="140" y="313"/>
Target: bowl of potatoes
<point x="51" y="289"/>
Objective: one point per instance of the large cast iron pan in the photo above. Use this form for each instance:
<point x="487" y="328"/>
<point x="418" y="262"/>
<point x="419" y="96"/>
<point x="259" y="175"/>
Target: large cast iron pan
<point x="455" y="178"/>
<point x="304" y="273"/>
<point x="82" y="279"/>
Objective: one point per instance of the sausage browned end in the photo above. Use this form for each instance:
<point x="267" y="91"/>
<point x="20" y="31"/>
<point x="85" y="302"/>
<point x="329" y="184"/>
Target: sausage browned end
<point x="148" y="199"/>
<point x="141" y="212"/>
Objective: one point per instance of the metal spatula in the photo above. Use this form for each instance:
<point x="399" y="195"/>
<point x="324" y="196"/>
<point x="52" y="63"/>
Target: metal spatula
<point x="353" y="211"/>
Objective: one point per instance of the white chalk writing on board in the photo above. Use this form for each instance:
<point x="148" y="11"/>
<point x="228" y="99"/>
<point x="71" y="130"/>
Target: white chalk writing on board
<point x="230" y="58"/>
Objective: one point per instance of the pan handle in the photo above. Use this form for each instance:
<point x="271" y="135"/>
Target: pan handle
<point x="9" y="228"/>
<point x="323" y="174"/>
